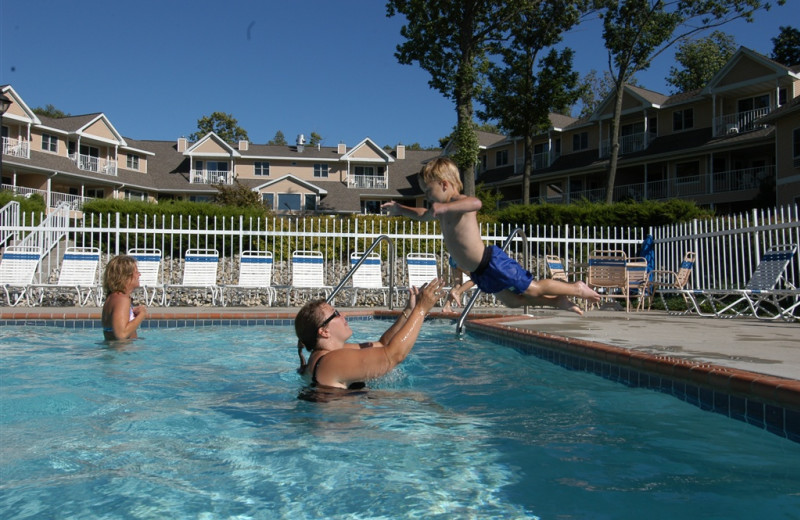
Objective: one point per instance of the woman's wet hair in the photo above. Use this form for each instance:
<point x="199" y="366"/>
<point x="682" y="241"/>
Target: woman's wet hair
<point x="118" y="273"/>
<point x="306" y="324"/>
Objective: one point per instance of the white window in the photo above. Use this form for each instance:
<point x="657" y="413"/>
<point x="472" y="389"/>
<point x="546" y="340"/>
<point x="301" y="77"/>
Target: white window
<point x="133" y="162"/>
<point x="365" y="170"/>
<point x="501" y="157"/>
<point x="311" y="202"/>
<point x="262" y="168"/>
<point x="321" y="170"/>
<point x="49" y="143"/>
<point x="268" y="199"/>
<point x="580" y="141"/>
<point x="290" y="201"/>
<point x="95" y="193"/>
<point x="683" y="119"/>
<point x="135" y="195"/>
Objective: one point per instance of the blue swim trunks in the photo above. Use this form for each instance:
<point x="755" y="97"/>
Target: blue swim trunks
<point x="498" y="272"/>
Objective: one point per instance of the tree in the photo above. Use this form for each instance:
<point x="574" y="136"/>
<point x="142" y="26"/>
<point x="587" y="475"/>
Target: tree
<point x="786" y="47"/>
<point x="222" y="124"/>
<point x="701" y="59"/>
<point x="237" y="194"/>
<point x="593" y="90"/>
<point x="279" y="139"/>
<point x="518" y="97"/>
<point x="50" y="111"/>
<point x="315" y="139"/>
<point x="637" y="31"/>
<point x="451" y="41"/>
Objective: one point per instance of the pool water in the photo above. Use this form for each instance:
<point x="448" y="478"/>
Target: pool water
<point x="207" y="423"/>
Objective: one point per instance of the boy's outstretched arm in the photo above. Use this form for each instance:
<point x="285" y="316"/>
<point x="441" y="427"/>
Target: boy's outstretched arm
<point x="396" y="209"/>
<point x="462" y="204"/>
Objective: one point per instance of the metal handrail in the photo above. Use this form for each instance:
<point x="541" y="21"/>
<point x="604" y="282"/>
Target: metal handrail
<point x="471" y="303"/>
<point x="361" y="261"/>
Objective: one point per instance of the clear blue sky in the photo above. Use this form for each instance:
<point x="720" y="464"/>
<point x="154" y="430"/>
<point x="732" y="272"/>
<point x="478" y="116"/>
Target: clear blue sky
<point x="154" y="67"/>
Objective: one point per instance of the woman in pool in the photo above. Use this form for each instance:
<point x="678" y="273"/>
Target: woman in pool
<point x="120" y="317"/>
<point x="324" y="332"/>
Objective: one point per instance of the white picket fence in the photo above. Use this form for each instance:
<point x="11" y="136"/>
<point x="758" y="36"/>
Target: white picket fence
<point x="728" y="248"/>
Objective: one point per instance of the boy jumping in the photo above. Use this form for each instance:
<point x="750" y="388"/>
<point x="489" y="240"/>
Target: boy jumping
<point x="489" y="267"/>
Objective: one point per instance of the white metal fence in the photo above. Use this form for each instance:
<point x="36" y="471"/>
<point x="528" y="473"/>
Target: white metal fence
<point x="728" y="248"/>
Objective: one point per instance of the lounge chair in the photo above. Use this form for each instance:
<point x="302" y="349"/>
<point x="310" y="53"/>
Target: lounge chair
<point x="665" y="282"/>
<point x="17" y="269"/>
<point x="608" y="274"/>
<point x="199" y="273"/>
<point x="308" y="274"/>
<point x="760" y="298"/>
<point x="255" y="277"/>
<point x="368" y="276"/>
<point x="422" y="268"/>
<point x="79" y="273"/>
<point x="148" y="262"/>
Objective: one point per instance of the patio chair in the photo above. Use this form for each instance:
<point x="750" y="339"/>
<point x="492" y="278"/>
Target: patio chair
<point x="760" y="298"/>
<point x="368" y="276"/>
<point x="422" y="268"/>
<point x="608" y="274"/>
<point x="199" y="273"/>
<point x="148" y="262"/>
<point x="666" y="282"/>
<point x="79" y="273"/>
<point x="638" y="281"/>
<point x="555" y="266"/>
<point x="308" y="274"/>
<point x="17" y="269"/>
<point x="255" y="277"/>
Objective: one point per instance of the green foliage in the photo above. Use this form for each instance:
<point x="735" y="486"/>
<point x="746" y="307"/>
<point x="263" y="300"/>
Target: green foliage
<point x="315" y="139"/>
<point x="700" y="59"/>
<point x="279" y="139"/>
<point x="490" y="199"/>
<point x="786" y="47"/>
<point x="633" y="214"/>
<point x="222" y="124"/>
<point x="33" y="204"/>
<point x="239" y="195"/>
<point x="50" y="111"/>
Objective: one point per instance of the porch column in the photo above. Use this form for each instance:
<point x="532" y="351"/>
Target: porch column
<point x="48" y="202"/>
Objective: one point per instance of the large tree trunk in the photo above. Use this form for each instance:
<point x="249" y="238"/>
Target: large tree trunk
<point x="612" y="163"/>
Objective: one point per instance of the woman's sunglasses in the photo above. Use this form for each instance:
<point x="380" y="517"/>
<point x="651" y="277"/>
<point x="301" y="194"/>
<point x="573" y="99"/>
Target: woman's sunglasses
<point x="330" y="318"/>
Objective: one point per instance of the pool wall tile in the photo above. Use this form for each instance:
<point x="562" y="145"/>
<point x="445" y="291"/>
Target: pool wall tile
<point x="767" y="402"/>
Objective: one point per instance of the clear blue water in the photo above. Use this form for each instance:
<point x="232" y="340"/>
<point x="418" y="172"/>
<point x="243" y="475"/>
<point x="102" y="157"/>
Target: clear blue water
<point x="206" y="423"/>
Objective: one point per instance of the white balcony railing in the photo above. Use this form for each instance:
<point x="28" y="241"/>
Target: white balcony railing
<point x="17" y="147"/>
<point x="377" y="182"/>
<point x="628" y="143"/>
<point x="54" y="198"/>
<point x="739" y="122"/>
<point x="210" y="177"/>
<point x="91" y="163"/>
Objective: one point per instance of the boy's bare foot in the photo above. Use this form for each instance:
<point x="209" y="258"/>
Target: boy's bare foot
<point x="587" y="293"/>
<point x="563" y="303"/>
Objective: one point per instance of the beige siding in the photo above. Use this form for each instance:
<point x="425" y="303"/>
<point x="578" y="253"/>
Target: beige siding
<point x="100" y="129"/>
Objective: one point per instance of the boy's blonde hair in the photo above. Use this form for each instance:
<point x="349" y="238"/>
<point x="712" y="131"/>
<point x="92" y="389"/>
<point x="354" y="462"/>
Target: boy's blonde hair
<point x="442" y="169"/>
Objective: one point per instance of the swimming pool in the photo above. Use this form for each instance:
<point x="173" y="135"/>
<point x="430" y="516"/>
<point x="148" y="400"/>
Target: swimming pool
<point x="206" y="423"/>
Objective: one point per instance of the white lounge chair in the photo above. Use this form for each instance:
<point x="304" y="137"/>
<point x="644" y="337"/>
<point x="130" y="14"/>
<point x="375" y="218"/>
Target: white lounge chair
<point x="79" y="273"/>
<point x="149" y="263"/>
<point x="422" y="268"/>
<point x="199" y="273"/>
<point x="255" y="276"/>
<point x="308" y="274"/>
<point x="762" y="297"/>
<point x="17" y="269"/>
<point x="368" y="276"/>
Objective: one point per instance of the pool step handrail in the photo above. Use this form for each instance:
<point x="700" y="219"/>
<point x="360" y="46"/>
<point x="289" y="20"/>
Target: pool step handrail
<point x="471" y="302"/>
<point x="361" y="261"/>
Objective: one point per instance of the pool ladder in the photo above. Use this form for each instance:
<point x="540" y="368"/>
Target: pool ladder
<point x="361" y="261"/>
<point x="471" y="303"/>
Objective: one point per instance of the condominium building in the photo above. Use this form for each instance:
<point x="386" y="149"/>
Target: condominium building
<point x="731" y="145"/>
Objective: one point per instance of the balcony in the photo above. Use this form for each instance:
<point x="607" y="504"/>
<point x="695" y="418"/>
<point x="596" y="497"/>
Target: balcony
<point x="94" y="164"/>
<point x="17" y="147"/>
<point x="52" y="198"/>
<point x="210" y="177"/>
<point x="739" y="122"/>
<point x="628" y="144"/>
<point x="368" y="182"/>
